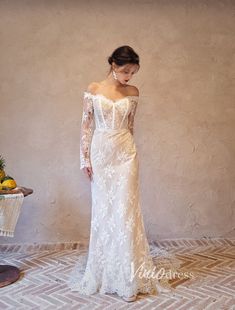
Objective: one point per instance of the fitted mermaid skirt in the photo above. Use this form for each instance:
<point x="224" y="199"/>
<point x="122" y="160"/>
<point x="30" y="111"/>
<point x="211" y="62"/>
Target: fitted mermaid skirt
<point x="118" y="260"/>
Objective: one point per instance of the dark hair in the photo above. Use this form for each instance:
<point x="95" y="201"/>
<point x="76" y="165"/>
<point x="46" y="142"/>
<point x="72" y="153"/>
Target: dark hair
<point x="123" y="55"/>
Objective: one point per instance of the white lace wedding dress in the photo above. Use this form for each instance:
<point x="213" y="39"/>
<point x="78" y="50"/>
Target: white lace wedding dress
<point x="118" y="260"/>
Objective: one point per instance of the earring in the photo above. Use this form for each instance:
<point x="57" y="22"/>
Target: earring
<point x="114" y="74"/>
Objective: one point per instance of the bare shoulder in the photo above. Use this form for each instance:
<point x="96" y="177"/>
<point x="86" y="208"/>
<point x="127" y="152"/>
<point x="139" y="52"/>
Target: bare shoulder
<point x="133" y="90"/>
<point x="92" y="87"/>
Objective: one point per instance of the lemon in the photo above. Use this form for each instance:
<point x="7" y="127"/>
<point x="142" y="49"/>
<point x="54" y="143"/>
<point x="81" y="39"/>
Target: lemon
<point x="8" y="182"/>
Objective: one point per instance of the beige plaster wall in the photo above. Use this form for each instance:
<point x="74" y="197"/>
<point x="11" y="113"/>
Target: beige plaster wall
<point x="184" y="126"/>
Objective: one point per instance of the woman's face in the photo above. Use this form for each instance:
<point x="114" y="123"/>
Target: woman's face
<point x="125" y="73"/>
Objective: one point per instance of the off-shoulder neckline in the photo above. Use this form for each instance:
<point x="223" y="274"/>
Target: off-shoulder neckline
<point x="103" y="96"/>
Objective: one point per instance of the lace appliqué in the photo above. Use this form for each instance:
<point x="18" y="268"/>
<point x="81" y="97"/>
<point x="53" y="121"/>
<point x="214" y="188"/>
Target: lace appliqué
<point x="131" y="116"/>
<point x="87" y="128"/>
<point x="86" y="276"/>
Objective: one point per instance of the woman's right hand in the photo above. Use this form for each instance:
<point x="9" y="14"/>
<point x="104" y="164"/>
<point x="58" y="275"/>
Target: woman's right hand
<point x="88" y="171"/>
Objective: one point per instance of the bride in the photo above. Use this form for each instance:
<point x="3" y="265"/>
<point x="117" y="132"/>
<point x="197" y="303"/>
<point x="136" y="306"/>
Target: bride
<point x="118" y="259"/>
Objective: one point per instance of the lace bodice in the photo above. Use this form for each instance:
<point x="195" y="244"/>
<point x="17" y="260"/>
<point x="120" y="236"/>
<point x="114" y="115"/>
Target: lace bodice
<point x="104" y="113"/>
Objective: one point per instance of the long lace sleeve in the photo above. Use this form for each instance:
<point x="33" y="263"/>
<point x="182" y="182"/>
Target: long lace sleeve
<point x="131" y="116"/>
<point x="87" y="126"/>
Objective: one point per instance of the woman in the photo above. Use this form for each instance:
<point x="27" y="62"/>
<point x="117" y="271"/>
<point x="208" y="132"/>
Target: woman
<point x="118" y="248"/>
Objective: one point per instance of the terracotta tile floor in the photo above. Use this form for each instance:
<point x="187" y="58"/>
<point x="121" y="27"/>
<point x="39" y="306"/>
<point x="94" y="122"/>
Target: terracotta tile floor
<point x="45" y="270"/>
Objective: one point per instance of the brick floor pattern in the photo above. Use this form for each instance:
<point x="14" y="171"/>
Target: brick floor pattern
<point x="45" y="269"/>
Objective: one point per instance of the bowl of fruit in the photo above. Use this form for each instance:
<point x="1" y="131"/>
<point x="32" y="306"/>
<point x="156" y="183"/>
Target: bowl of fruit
<point x="7" y="183"/>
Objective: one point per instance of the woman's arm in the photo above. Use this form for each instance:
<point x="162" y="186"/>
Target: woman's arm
<point x="134" y="102"/>
<point x="87" y="126"/>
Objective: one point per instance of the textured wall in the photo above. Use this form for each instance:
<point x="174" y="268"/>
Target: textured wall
<point x="184" y="126"/>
